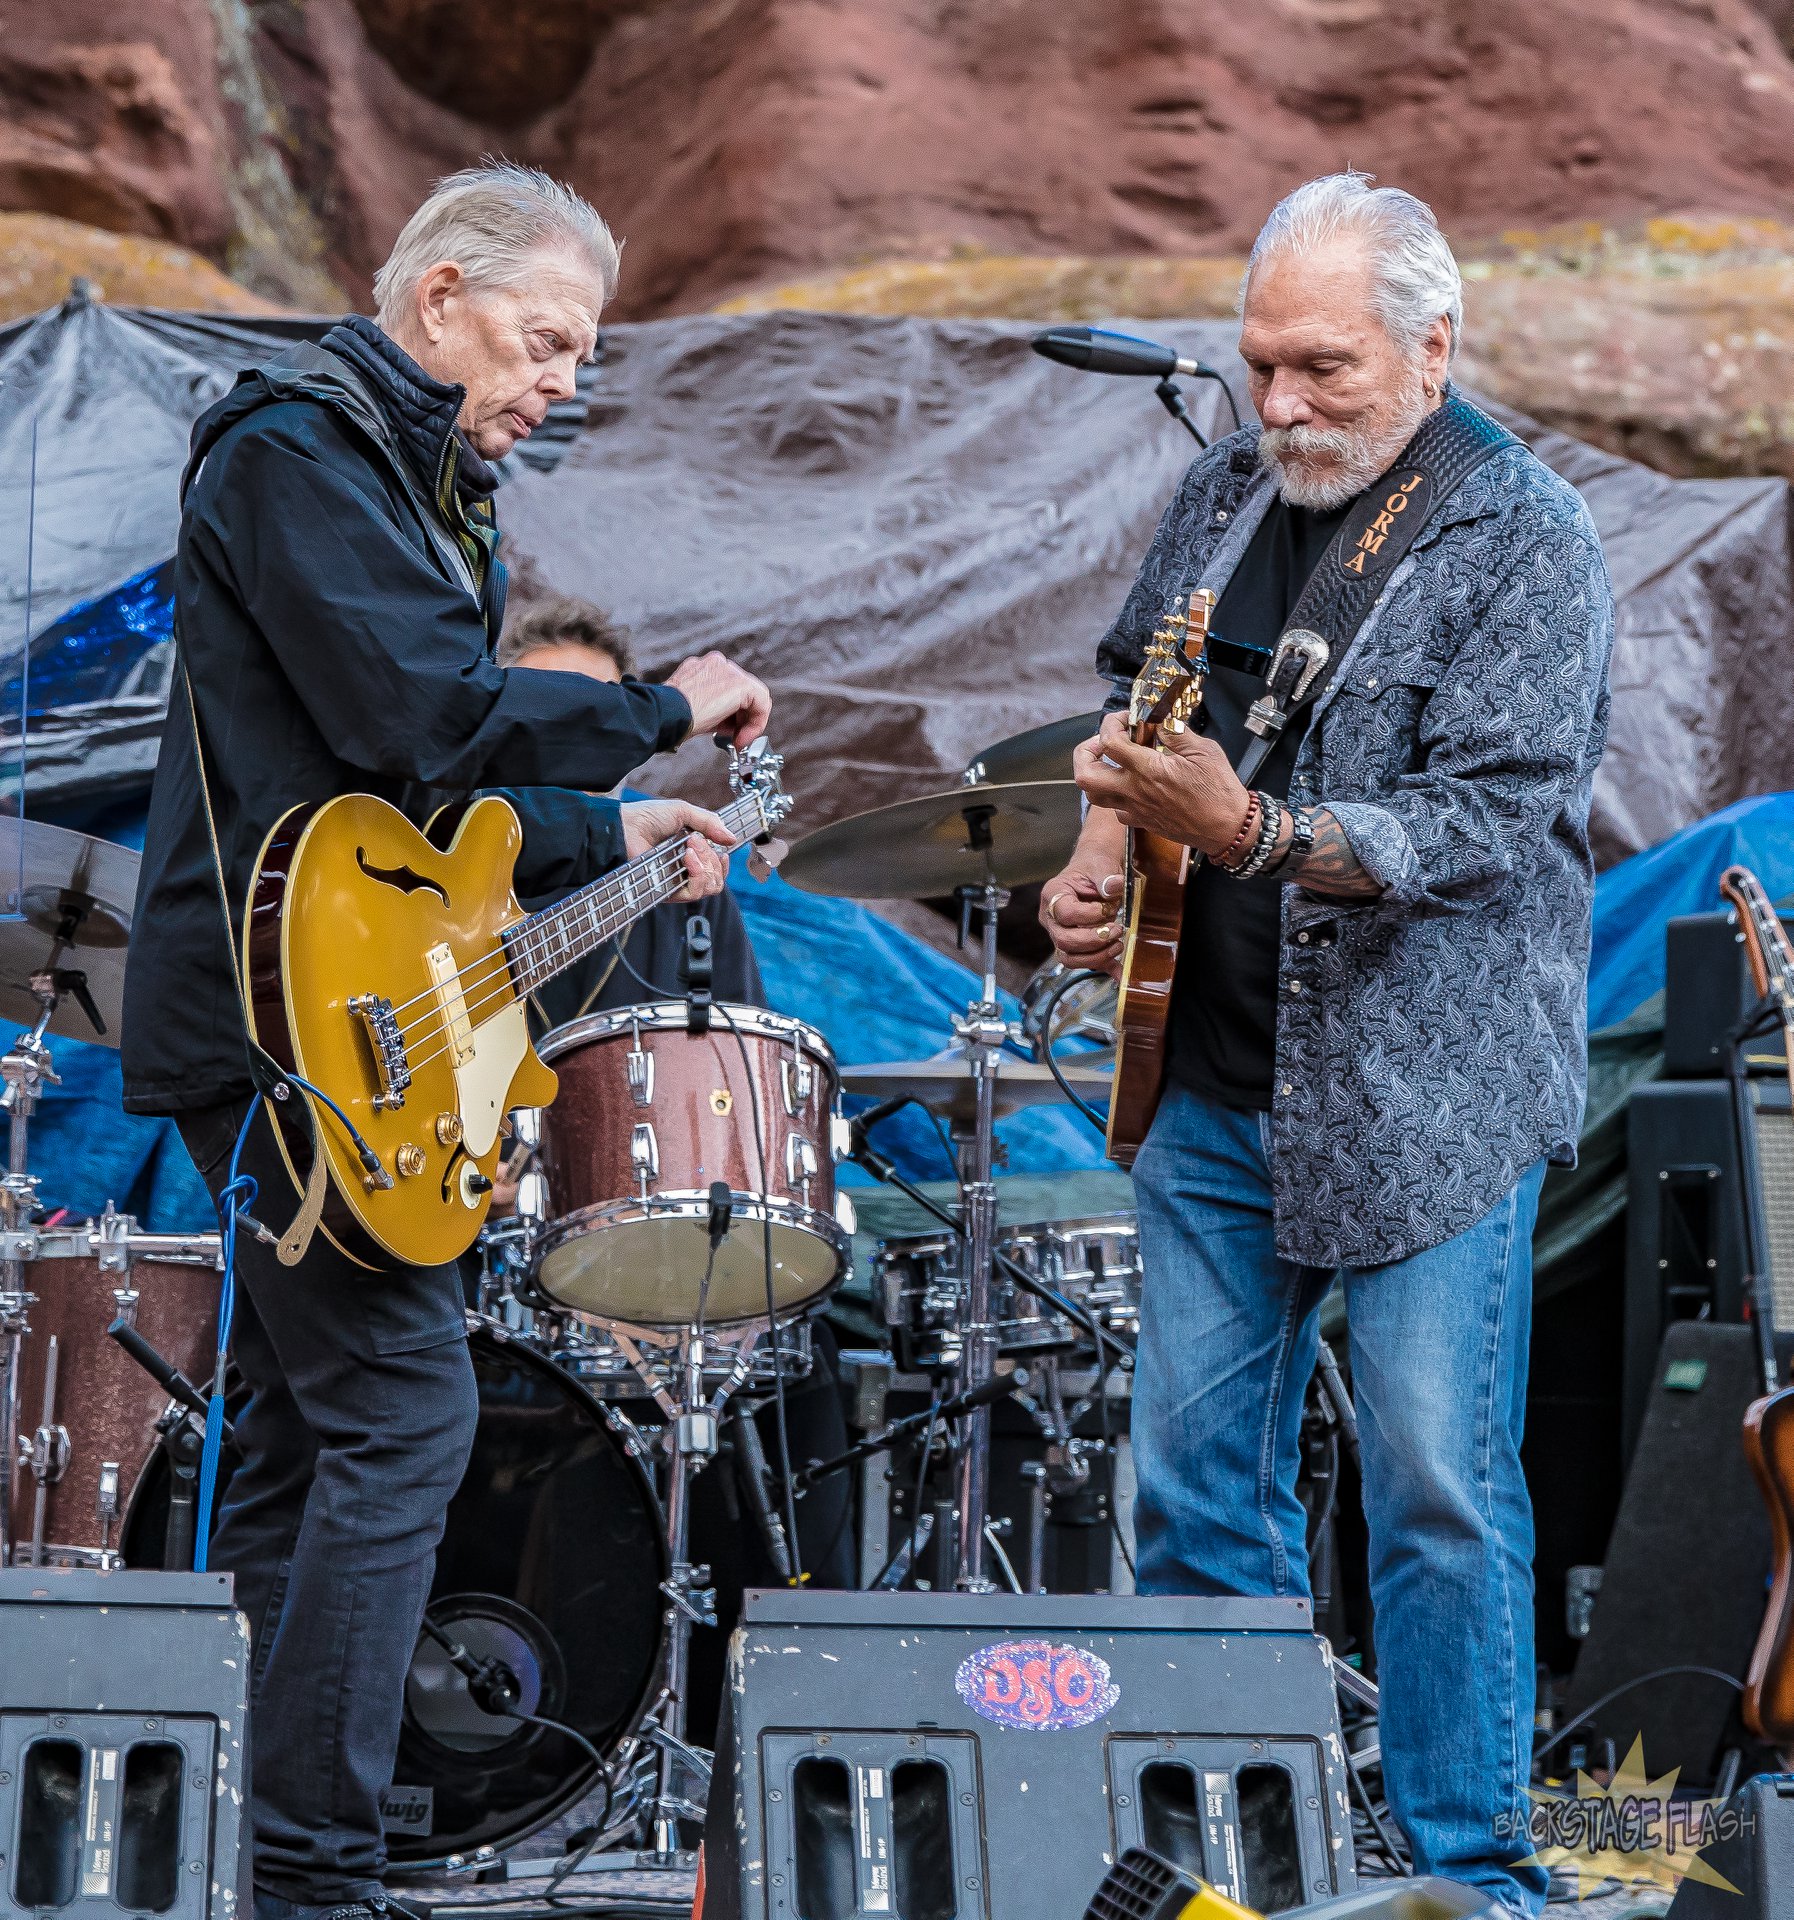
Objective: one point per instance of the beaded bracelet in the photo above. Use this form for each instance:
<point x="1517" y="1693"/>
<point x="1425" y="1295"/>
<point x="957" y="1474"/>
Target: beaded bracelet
<point x="1252" y="818"/>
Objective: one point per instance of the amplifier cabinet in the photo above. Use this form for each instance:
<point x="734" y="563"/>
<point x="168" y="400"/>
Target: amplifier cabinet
<point x="123" y="1745"/>
<point x="917" y="1756"/>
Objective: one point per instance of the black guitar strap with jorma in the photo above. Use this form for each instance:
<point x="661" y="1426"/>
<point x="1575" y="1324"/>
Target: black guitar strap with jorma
<point x="1383" y="524"/>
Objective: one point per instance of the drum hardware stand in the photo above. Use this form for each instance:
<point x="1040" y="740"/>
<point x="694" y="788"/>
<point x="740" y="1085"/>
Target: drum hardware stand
<point x="692" y="1440"/>
<point x="24" y="1067"/>
<point x="983" y="1033"/>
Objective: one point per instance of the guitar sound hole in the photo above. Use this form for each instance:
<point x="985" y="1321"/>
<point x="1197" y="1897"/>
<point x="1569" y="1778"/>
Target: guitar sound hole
<point x="406" y="879"/>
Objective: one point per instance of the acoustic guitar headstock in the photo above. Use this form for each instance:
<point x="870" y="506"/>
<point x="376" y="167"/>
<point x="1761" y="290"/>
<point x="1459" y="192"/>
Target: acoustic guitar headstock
<point x="1167" y="690"/>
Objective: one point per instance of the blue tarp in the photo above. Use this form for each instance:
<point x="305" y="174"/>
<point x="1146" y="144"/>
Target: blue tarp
<point x="879" y="994"/>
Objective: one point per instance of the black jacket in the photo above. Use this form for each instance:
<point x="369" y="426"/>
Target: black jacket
<point x="337" y="601"/>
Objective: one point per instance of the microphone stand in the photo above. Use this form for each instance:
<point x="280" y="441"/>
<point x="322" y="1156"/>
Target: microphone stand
<point x="1171" y="397"/>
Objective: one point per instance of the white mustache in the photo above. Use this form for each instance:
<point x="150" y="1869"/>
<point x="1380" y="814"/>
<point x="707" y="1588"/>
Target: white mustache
<point x="1279" y="443"/>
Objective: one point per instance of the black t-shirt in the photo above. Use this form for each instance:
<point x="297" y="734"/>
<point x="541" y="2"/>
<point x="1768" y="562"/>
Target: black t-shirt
<point x="1223" y="1039"/>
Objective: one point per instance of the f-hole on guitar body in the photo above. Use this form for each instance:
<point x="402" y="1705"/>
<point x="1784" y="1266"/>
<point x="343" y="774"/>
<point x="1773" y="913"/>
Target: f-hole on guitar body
<point x="375" y="971"/>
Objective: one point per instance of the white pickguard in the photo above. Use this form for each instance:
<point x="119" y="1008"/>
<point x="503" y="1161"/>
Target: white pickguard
<point x="483" y="1082"/>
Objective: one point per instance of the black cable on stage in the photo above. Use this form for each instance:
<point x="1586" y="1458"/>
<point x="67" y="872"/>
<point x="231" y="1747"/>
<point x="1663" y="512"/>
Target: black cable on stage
<point x="499" y="1675"/>
<point x="1046" y="1036"/>
<point x="778" y="1375"/>
<point x="915" y="1511"/>
<point x="1638" y="1680"/>
<point x="1389" y="1850"/>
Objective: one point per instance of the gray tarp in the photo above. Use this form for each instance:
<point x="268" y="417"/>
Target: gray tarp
<point x="916" y="530"/>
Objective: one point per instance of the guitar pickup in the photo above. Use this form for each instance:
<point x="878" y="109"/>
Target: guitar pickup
<point x="381" y="1025"/>
<point x="453" y="1001"/>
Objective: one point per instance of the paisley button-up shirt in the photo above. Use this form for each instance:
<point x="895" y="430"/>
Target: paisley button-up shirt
<point x="1431" y="1043"/>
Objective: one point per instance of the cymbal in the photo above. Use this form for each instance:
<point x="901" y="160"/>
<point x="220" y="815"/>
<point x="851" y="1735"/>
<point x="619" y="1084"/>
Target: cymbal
<point x="1042" y="753"/>
<point x="948" y="1087"/>
<point x="915" y="849"/>
<point x="73" y="917"/>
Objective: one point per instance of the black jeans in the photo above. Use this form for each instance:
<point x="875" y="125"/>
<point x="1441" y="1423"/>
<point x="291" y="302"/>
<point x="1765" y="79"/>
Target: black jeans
<point x="358" y="1427"/>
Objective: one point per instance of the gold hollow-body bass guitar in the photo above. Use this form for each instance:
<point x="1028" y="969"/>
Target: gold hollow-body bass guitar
<point x="389" y="968"/>
<point x="1166" y="694"/>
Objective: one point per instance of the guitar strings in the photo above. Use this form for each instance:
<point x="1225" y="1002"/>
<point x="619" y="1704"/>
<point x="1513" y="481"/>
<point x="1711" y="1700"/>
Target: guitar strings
<point x="748" y="807"/>
<point x="658" y="869"/>
<point x="534" y="937"/>
<point x="599" y="923"/>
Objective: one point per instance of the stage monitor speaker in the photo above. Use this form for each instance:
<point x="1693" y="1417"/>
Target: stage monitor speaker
<point x="935" y="1756"/>
<point x="1684" y="1581"/>
<point x="1707" y="990"/>
<point x="1754" y="1850"/>
<point x="1685" y="1221"/>
<point x="122" y="1743"/>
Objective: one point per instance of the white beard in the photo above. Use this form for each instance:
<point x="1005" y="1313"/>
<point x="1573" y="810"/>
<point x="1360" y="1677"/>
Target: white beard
<point x="1356" y="456"/>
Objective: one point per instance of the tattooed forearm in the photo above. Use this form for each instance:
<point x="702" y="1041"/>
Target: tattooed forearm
<point x="1330" y="867"/>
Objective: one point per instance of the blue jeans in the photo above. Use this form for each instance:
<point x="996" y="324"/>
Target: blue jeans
<point x="1228" y="1341"/>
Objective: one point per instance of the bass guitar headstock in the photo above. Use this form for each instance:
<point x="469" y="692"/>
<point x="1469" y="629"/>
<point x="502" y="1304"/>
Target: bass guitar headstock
<point x="1167" y="691"/>
<point x="754" y="776"/>
<point x="1765" y="943"/>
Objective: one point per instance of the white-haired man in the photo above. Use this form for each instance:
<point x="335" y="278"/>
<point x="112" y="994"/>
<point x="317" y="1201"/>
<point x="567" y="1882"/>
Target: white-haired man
<point x="1377" y="1023"/>
<point x="338" y="599"/>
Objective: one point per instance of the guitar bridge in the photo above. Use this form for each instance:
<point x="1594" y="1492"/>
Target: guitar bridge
<point x="382" y="1028"/>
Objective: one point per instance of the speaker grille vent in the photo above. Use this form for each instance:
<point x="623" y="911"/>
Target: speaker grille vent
<point x="1775" y="1146"/>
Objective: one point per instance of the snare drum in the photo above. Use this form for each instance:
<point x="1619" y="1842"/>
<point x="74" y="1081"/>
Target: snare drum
<point x="648" y="1116"/>
<point x="1095" y="1263"/>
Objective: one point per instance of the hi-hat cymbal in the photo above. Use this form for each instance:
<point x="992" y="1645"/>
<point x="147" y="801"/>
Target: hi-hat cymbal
<point x="1042" y="753"/>
<point x="916" y="849"/>
<point x="68" y="913"/>
<point x="948" y="1087"/>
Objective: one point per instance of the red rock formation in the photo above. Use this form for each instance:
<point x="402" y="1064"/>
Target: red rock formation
<point x="735" y="142"/>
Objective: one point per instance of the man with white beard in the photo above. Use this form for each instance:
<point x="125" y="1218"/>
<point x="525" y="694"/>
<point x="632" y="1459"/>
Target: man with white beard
<point x="1377" y="1026"/>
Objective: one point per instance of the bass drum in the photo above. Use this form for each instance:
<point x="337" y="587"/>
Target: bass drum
<point x="551" y="1560"/>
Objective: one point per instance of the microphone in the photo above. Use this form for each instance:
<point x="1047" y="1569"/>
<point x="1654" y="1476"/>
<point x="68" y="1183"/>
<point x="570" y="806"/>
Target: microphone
<point x="722" y="1211"/>
<point x="1098" y="350"/>
<point x="862" y="1123"/>
<point x="697" y="969"/>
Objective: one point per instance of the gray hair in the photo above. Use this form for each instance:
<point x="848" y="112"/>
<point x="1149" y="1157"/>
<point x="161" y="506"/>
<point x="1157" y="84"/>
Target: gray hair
<point x="491" y="221"/>
<point x="1415" y="276"/>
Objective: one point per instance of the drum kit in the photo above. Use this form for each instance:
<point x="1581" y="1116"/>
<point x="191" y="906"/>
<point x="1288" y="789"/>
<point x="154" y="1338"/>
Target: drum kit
<point x="676" y="1223"/>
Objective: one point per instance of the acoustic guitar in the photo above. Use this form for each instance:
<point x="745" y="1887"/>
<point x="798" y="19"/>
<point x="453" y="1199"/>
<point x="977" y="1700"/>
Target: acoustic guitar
<point x="389" y="968"/>
<point x="1166" y="695"/>
<point x="1769" y="1422"/>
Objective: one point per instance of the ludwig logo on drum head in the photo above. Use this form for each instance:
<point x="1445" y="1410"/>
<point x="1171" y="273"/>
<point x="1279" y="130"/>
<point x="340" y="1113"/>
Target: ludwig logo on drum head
<point x="1036" y="1684"/>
